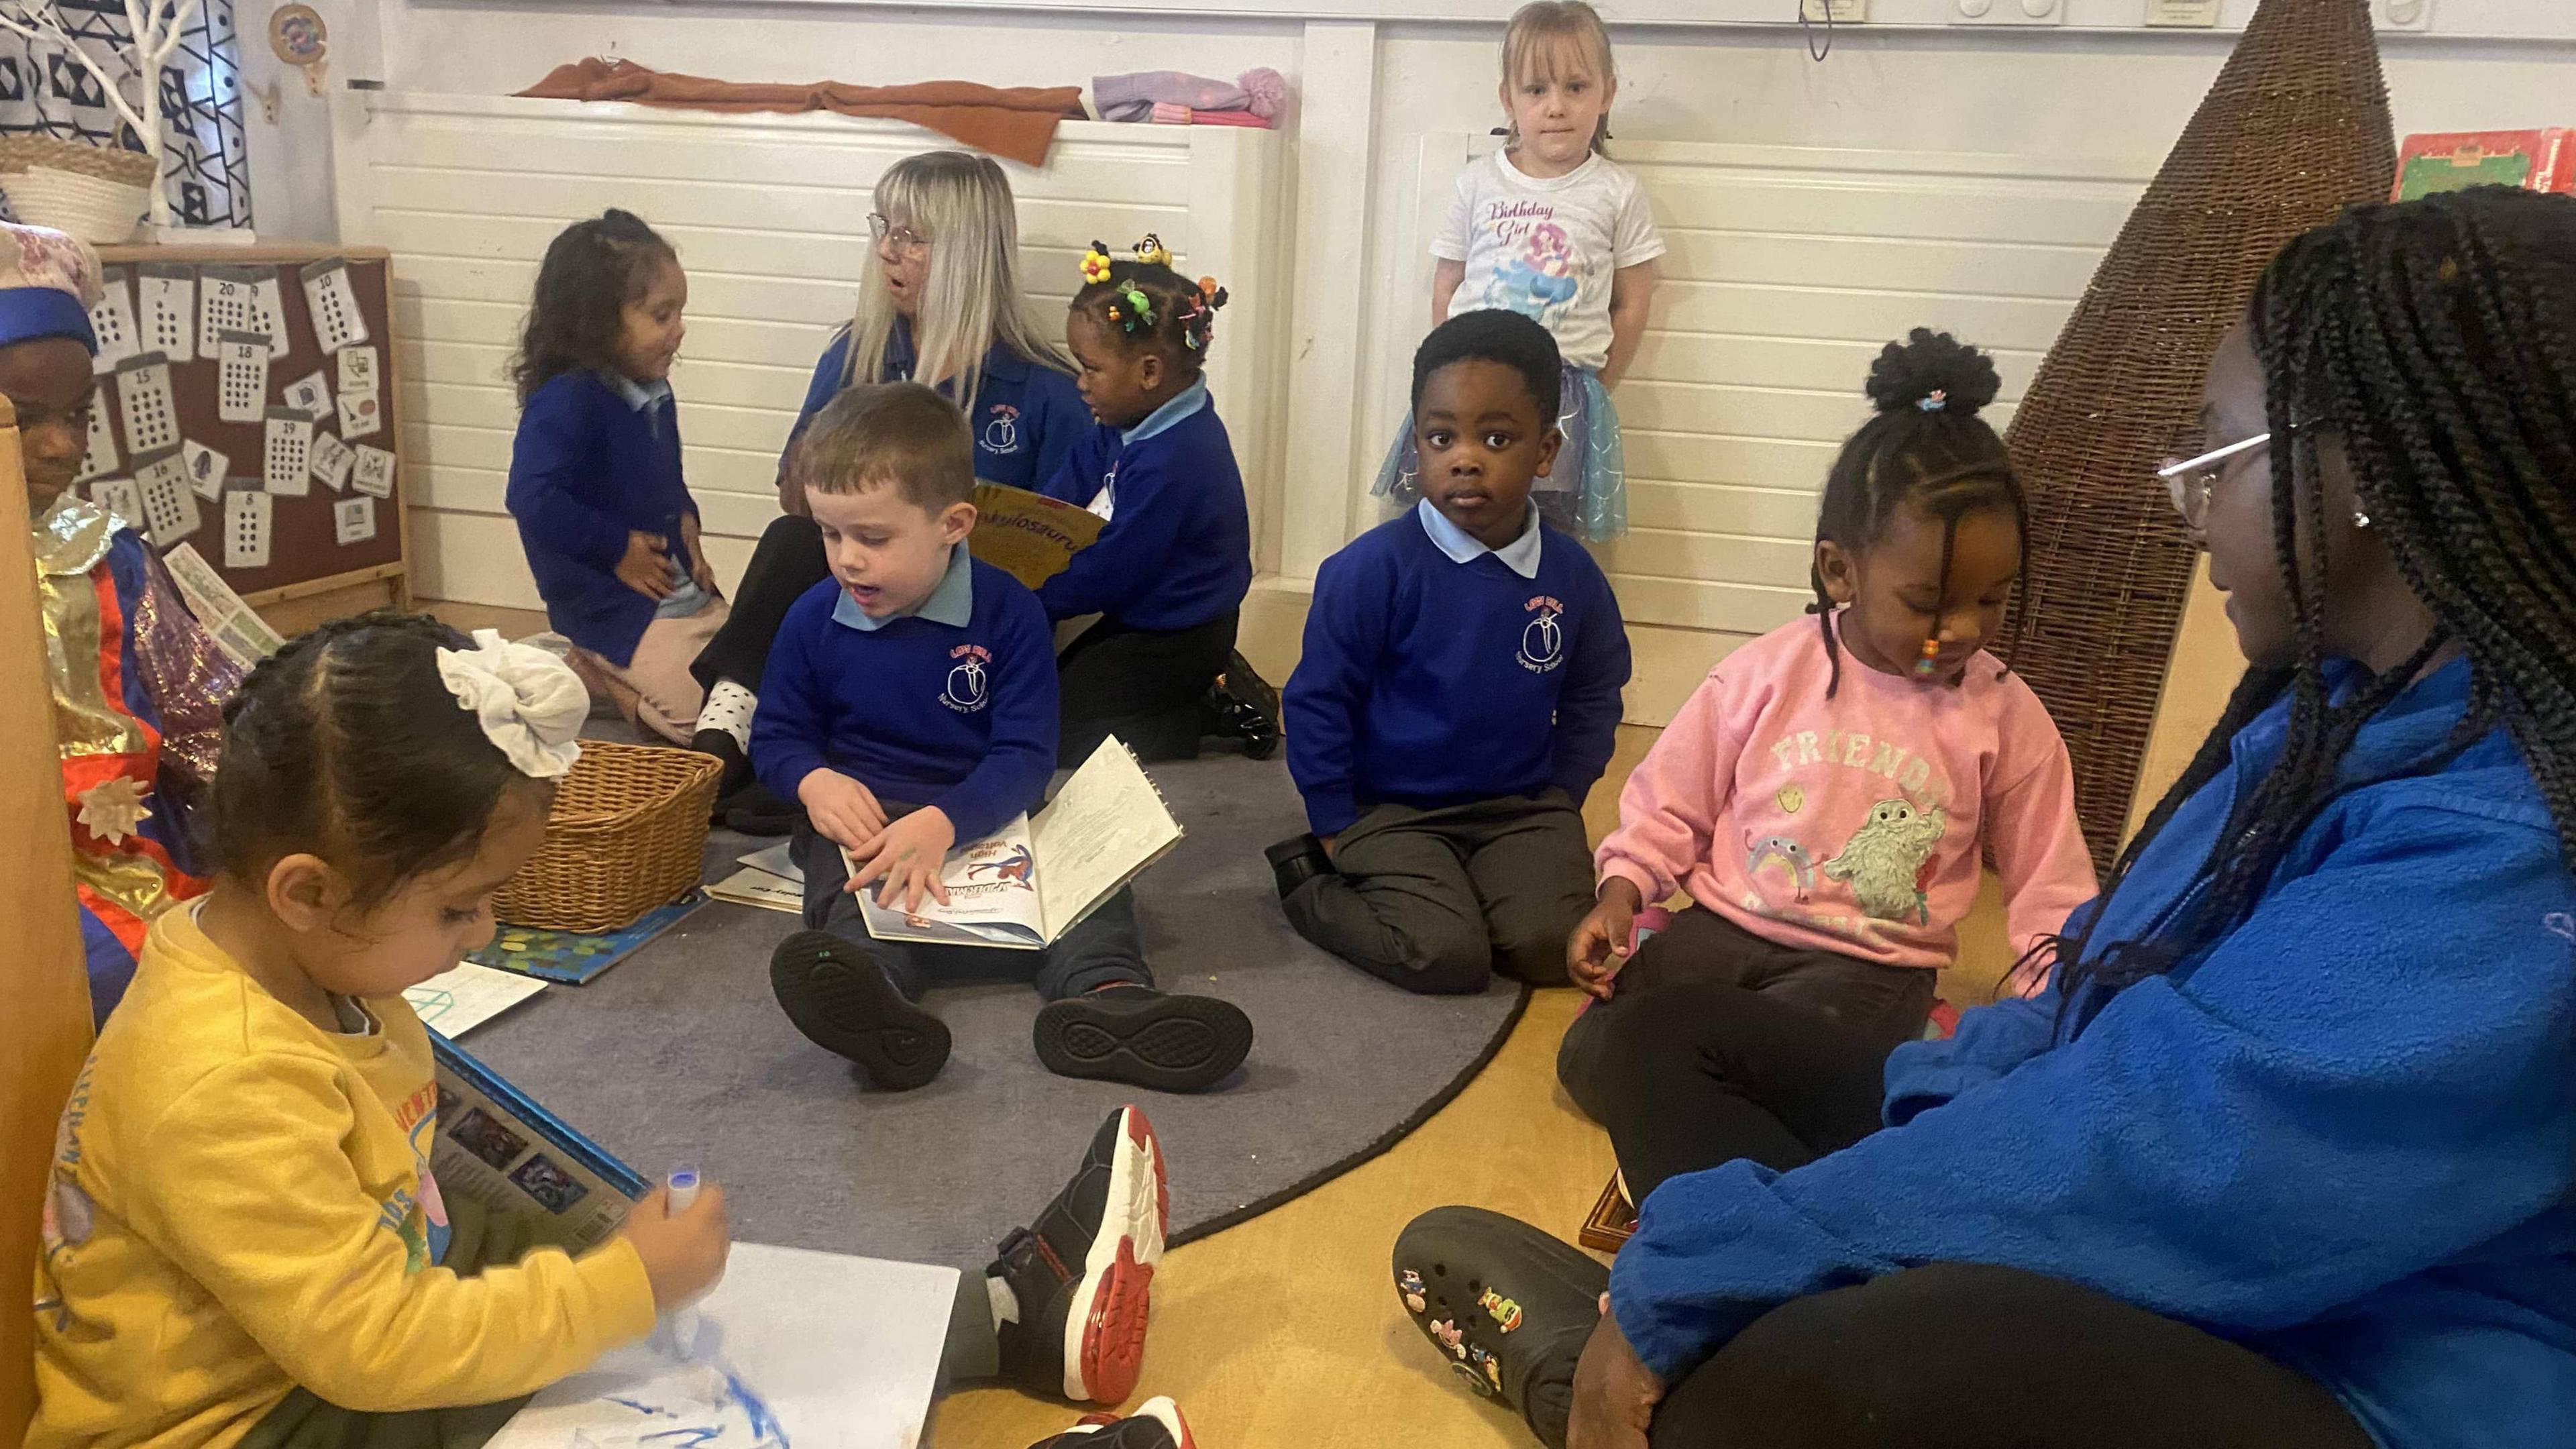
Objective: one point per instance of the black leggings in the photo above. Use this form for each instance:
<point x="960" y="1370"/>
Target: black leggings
<point x="787" y="562"/>
<point x="1967" y="1356"/>
<point x="1148" y="687"/>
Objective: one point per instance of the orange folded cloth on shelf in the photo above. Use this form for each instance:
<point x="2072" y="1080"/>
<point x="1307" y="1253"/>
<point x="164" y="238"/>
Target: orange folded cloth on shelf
<point x="1018" y="123"/>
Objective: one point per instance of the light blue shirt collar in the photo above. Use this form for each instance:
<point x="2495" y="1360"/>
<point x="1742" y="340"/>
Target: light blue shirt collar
<point x="1169" y="415"/>
<point x="952" y="603"/>
<point x="636" y="395"/>
<point x="1520" y="555"/>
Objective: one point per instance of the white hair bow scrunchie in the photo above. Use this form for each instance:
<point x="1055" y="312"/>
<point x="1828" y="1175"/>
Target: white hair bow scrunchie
<point x="529" y="702"/>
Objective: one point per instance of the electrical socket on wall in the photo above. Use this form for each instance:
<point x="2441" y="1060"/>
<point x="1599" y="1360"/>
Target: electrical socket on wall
<point x="2405" y="14"/>
<point x="2183" y="14"/>
<point x="2008" y="12"/>
<point x="1840" y="12"/>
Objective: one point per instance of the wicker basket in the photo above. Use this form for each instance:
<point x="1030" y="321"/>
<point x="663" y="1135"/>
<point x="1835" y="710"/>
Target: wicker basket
<point x="628" y="833"/>
<point x="92" y="192"/>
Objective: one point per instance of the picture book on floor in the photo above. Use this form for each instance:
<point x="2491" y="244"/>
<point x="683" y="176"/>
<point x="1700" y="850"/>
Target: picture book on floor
<point x="497" y="1147"/>
<point x="574" y="957"/>
<point x="1023" y="886"/>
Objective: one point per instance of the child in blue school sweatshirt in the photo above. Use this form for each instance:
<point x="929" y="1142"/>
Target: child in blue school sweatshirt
<point x="1458" y="695"/>
<point x="910" y="705"/>
<point x="609" y="527"/>
<point x="1174" y="558"/>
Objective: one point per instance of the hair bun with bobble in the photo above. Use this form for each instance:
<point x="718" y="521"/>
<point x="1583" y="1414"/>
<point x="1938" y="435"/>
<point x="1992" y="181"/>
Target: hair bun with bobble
<point x="1935" y="372"/>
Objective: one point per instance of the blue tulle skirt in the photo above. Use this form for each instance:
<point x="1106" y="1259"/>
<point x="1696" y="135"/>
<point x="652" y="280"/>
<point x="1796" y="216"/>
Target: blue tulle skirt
<point x="1585" y="494"/>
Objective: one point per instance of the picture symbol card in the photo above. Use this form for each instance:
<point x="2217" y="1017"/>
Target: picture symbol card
<point x="168" y="296"/>
<point x="241" y="389"/>
<point x="373" y="472"/>
<point x="333" y="299"/>
<point x="168" y="507"/>
<point x="247" y="515"/>
<point x="120" y="496"/>
<point x="143" y="396"/>
<point x="362" y="415"/>
<point x="287" y="456"/>
<point x="353" y="520"/>
<point x="206" y="469"/>
<point x="310" y="394"/>
<point x="332" y="460"/>
<point x="358" y="369"/>
<point x="112" y="322"/>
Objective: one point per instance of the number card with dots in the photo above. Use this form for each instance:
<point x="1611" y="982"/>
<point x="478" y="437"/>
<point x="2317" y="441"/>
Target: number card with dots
<point x="112" y="322"/>
<point x="332" y="461"/>
<point x="268" y="310"/>
<point x="120" y="496"/>
<point x="169" y="509"/>
<point x="206" y="470"/>
<point x="247" y="515"/>
<point x="143" y="396"/>
<point x="373" y="472"/>
<point x="226" y="302"/>
<point x="241" y="386"/>
<point x="286" y="459"/>
<point x="334" y="303"/>
<point x="353" y="520"/>
<point x="168" y="298"/>
<point x="100" y="460"/>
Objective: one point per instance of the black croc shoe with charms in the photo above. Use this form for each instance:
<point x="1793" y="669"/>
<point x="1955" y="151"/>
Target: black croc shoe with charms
<point x="1507" y="1306"/>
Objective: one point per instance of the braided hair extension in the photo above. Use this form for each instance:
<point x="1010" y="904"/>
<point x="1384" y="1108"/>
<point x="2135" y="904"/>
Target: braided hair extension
<point x="347" y="744"/>
<point x="1142" y="302"/>
<point x="592" y="269"/>
<point x="1926" y="449"/>
<point x="2432" y="340"/>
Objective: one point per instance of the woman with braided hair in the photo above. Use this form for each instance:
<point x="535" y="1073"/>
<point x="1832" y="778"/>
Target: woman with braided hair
<point x="2286" y="1153"/>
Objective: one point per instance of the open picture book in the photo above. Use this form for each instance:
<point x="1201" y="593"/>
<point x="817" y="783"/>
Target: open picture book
<point x="1023" y="886"/>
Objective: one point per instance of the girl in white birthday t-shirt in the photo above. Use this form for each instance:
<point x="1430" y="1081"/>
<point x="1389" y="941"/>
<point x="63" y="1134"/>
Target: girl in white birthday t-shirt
<point x="1552" y="229"/>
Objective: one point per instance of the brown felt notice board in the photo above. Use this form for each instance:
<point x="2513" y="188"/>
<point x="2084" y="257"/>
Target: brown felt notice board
<point x="317" y="538"/>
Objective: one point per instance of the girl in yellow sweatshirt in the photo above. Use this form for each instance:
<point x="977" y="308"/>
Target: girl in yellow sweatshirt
<point x="243" y="1243"/>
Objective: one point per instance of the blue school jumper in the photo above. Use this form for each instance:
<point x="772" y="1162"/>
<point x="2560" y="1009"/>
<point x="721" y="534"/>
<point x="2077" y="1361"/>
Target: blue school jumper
<point x="598" y="457"/>
<point x="1438" y="671"/>
<point x="953" y="705"/>
<point x="1177" y="551"/>
<point x="1027" y="415"/>
<point x="2343" y="1135"/>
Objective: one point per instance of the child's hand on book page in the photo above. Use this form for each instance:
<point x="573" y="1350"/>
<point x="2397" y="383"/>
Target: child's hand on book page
<point x="683" y="1253"/>
<point x="1599" y="945"/>
<point x="906" y="856"/>
<point x="845" y="811"/>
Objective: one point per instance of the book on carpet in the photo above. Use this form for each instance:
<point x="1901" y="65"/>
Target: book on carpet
<point x="1613" y="1220"/>
<point x="2536" y="160"/>
<point x="1023" y="886"/>
<point x="497" y="1147"/>
<point x="457" y="1000"/>
<point x="1028" y="535"/>
<point x="750" y="887"/>
<point x="778" y="860"/>
<point x="573" y="957"/>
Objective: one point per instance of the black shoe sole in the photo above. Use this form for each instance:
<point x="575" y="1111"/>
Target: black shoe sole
<point x="844" y="1003"/>
<point x="1167" y="1044"/>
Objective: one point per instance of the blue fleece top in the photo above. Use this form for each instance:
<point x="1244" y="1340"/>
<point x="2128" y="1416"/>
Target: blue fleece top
<point x="589" y="466"/>
<point x="1177" y="550"/>
<point x="1438" y="671"/>
<point x="953" y="705"/>
<point x="1027" y="415"/>
<point x="2344" y="1134"/>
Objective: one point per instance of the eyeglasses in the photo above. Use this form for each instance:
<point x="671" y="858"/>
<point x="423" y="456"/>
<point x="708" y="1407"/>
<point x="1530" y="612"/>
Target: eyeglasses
<point x="2189" y="481"/>
<point x="905" y="239"/>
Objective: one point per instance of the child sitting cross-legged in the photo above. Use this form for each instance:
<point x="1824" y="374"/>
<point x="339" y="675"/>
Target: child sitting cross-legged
<point x="910" y="704"/>
<point x="1458" y="694"/>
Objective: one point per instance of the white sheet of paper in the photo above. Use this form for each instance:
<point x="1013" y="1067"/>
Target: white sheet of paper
<point x="143" y="398"/>
<point x="120" y="496"/>
<point x="353" y="520"/>
<point x="268" y="305"/>
<point x="206" y="469"/>
<point x="225" y="303"/>
<point x="112" y="322"/>
<point x="826" y="1351"/>
<point x="310" y="393"/>
<point x="455" y="1002"/>
<point x="236" y="629"/>
<point x="169" y="509"/>
<point x="286" y="455"/>
<point x="779" y="860"/>
<point x="358" y="369"/>
<point x="332" y="460"/>
<point x="100" y="460"/>
<point x="373" y="471"/>
<point x="167" y="298"/>
<point x="246" y="518"/>
<point x="333" y="299"/>
<point x="362" y="414"/>
<point x="241" y="394"/>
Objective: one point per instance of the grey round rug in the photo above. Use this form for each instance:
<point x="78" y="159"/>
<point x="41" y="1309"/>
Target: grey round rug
<point x="678" y="1055"/>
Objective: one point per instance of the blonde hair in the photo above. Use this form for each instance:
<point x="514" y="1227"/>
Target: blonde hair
<point x="971" y="298"/>
<point x="1548" y="37"/>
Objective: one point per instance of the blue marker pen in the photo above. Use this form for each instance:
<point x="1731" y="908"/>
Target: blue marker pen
<point x="682" y="1322"/>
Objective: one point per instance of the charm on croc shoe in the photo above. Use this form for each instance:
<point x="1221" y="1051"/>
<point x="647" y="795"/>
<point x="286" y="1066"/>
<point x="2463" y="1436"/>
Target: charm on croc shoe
<point x="1474" y="1379"/>
<point x="1492" y="1366"/>
<point x="1506" y="1313"/>
<point x="1409" y="1283"/>
<point x="1452" y="1337"/>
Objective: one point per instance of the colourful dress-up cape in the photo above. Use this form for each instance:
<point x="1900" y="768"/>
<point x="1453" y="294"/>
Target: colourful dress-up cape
<point x="139" y="689"/>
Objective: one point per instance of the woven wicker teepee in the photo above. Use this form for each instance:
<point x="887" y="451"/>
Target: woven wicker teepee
<point x="2295" y="130"/>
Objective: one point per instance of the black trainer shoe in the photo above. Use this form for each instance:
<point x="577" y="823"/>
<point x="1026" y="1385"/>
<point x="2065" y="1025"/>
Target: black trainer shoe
<point x="1295" y="861"/>
<point x="1508" y="1306"/>
<point x="1137" y="1035"/>
<point x="1245" y="683"/>
<point x="1083" y="1270"/>
<point x="1231" y="718"/>
<point x="1156" y="1424"/>
<point x="737" y="766"/>
<point x="844" y="1002"/>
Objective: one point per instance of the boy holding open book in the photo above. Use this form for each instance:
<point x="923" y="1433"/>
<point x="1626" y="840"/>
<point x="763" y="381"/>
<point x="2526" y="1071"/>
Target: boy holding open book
<point x="909" y="705"/>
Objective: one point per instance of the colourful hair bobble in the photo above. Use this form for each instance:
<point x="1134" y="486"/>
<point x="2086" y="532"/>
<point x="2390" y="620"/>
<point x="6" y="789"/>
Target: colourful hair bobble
<point x="1152" y="252"/>
<point x="1935" y="400"/>
<point x="1095" y="264"/>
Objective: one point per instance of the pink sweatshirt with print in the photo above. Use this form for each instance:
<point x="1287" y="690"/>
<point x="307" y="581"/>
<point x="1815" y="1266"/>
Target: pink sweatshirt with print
<point x="1851" y="824"/>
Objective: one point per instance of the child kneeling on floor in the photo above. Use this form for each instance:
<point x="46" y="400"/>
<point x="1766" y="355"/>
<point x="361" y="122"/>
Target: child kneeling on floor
<point x="910" y="704"/>
<point x="1458" y="696"/>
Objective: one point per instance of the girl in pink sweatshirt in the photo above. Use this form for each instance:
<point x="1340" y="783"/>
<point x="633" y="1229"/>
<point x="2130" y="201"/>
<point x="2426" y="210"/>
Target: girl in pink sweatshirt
<point x="1823" y="797"/>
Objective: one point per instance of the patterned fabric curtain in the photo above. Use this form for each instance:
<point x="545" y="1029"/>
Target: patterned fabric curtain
<point x="207" y="166"/>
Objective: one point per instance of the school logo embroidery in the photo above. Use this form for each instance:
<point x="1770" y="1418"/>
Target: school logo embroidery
<point x="1002" y="434"/>
<point x="1543" y="638"/>
<point x="969" y="685"/>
